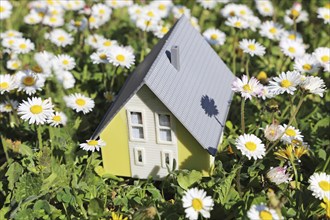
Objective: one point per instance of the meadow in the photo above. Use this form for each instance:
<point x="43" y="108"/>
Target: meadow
<point x="64" y="62"/>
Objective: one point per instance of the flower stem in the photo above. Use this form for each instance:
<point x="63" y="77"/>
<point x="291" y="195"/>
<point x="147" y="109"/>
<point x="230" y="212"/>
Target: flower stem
<point x="247" y="67"/>
<point x="326" y="164"/>
<point x="295" y="173"/>
<point x="51" y="137"/>
<point x="242" y="116"/>
<point x="39" y="137"/>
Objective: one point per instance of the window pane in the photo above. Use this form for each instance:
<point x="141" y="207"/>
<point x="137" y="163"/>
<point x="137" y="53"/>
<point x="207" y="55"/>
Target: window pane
<point x="167" y="158"/>
<point x="136" y="118"/>
<point x="165" y="135"/>
<point x="137" y="132"/>
<point x="140" y="159"/>
<point x="164" y="120"/>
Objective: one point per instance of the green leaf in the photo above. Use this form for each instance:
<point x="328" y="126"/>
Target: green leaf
<point x="42" y="204"/>
<point x="322" y="154"/>
<point x="14" y="172"/>
<point x="291" y="212"/>
<point x="185" y="181"/>
<point x="48" y="182"/>
<point x="25" y="150"/>
<point x="95" y="207"/>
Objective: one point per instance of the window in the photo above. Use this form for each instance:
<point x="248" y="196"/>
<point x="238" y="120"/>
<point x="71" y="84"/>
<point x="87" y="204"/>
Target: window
<point x="164" y="128"/>
<point x="167" y="159"/>
<point x="139" y="157"/>
<point x="136" y="125"/>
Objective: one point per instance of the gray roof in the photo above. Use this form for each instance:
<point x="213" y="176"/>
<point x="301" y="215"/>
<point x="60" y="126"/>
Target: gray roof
<point x="198" y="93"/>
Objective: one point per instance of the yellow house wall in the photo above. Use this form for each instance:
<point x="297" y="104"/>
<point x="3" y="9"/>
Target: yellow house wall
<point x="115" y="154"/>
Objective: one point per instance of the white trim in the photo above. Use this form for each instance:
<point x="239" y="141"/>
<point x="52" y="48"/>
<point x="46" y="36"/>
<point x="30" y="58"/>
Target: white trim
<point x="136" y="156"/>
<point x="170" y="157"/>
<point x="130" y="125"/>
<point x="158" y="127"/>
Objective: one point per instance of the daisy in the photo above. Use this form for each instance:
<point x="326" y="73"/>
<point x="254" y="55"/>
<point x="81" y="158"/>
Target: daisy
<point x="271" y="30"/>
<point x="32" y="18"/>
<point x="292" y="35"/>
<point x="208" y="4"/>
<point x="9" y="42"/>
<point x="253" y="22"/>
<point x="237" y="22"/>
<point x="53" y="21"/>
<point x="229" y="10"/>
<point x="23" y="46"/>
<point x="135" y="11"/>
<point x="105" y="44"/>
<point x="99" y="57"/>
<point x="292" y="49"/>
<point x="118" y="3"/>
<point x="73" y="5"/>
<point x="13" y="64"/>
<point x="194" y="23"/>
<point x="295" y="14"/>
<point x="314" y="85"/>
<point x="121" y="56"/>
<point x="286" y="82"/>
<point x="94" y="22"/>
<point x="324" y="13"/>
<point x="150" y="13"/>
<point x="306" y="64"/>
<point x="162" y="7"/>
<point x="79" y="102"/>
<point x="250" y="146"/>
<point x="92" y="145"/>
<point x="78" y="25"/>
<point x="35" y="110"/>
<point x="290" y="134"/>
<point x="64" y="61"/>
<point x="146" y="24"/>
<point x="5" y="9"/>
<point x="60" y="37"/>
<point x="247" y="87"/>
<point x="322" y="54"/>
<point x="7" y="83"/>
<point x="179" y="10"/>
<point x="8" y="106"/>
<point x="252" y="47"/>
<point x="93" y="40"/>
<point x="262" y="212"/>
<point x="278" y="175"/>
<point x="29" y="82"/>
<point x="195" y="201"/>
<point x="58" y="118"/>
<point x="265" y="7"/>
<point x="11" y="33"/>
<point x="66" y="78"/>
<point x="44" y="60"/>
<point x="161" y="30"/>
<point x="243" y="11"/>
<point x="273" y="132"/>
<point x="214" y="36"/>
<point x="102" y="11"/>
<point x="320" y="185"/>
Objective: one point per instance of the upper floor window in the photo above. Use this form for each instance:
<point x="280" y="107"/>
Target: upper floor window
<point x="164" y="128"/>
<point x="136" y="125"/>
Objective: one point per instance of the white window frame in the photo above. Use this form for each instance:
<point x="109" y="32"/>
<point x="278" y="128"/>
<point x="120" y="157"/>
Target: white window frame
<point x="158" y="127"/>
<point x="136" y="156"/>
<point x="163" y="159"/>
<point x="130" y="125"/>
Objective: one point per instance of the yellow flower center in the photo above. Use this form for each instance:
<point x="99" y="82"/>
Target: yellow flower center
<point x="150" y="14"/>
<point x="262" y="75"/>
<point x="22" y="46"/>
<point x="238" y="24"/>
<point x="161" y="7"/>
<point x="292" y="37"/>
<point x="101" y="11"/>
<point x="91" y="19"/>
<point x="325" y="185"/>
<point x="307" y="67"/>
<point x="15" y="65"/>
<point x="65" y="62"/>
<point x="197" y="204"/>
<point x="61" y="38"/>
<point x="120" y="58"/>
<point x="292" y="50"/>
<point x="181" y="10"/>
<point x="290" y="132"/>
<point x="57" y="118"/>
<point x="164" y="30"/>
<point x="286" y="83"/>
<point x="4" y="85"/>
<point x="103" y="56"/>
<point x="92" y="142"/>
<point x="2" y="9"/>
<point x="107" y="43"/>
<point x="252" y="47"/>
<point x="11" y="42"/>
<point x="36" y="109"/>
<point x="29" y="81"/>
<point x="11" y="34"/>
<point x="325" y="58"/>
<point x="273" y="30"/>
<point x="232" y="13"/>
<point x="250" y="146"/>
<point x="8" y="107"/>
<point x="247" y="88"/>
<point x="37" y="69"/>
<point x="80" y="102"/>
<point x="326" y="17"/>
<point x="53" y="19"/>
<point x="242" y="12"/>
<point x="265" y="215"/>
<point x="214" y="36"/>
<point x="32" y="20"/>
<point x="77" y="23"/>
<point x="266" y="9"/>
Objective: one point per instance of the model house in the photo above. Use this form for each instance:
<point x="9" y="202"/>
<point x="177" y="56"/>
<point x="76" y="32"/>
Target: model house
<point x="171" y="110"/>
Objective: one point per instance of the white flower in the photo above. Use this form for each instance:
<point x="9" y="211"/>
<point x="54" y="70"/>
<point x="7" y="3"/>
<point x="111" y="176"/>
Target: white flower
<point x="195" y="201"/>
<point x="64" y="61"/>
<point x="208" y="4"/>
<point x="29" y="82"/>
<point x="150" y="14"/>
<point x="306" y="64"/>
<point x="262" y="212"/>
<point x="265" y="7"/>
<point x="73" y="5"/>
<point x="14" y="64"/>
<point x="8" y="106"/>
<point x="44" y="60"/>
<point x="11" y="33"/>
<point x="99" y="57"/>
<point x="9" y="42"/>
<point x="194" y="23"/>
<point x="105" y="44"/>
<point x="146" y="24"/>
<point x="162" y="7"/>
<point x="121" y="56"/>
<point x="94" y="22"/>
<point x="324" y="13"/>
<point x="161" y="30"/>
<point x="32" y="18"/>
<point x="78" y="25"/>
<point x="271" y="30"/>
<point x="53" y="21"/>
<point x="292" y="36"/>
<point x="118" y="4"/>
<point x="314" y="85"/>
<point x="286" y="82"/>
<point x="238" y="10"/>
<point x="253" y="22"/>
<point x="320" y="185"/>
<point x="35" y="110"/>
<point x="179" y="10"/>
<point x="135" y="11"/>
<point x="278" y="175"/>
<point x="237" y="22"/>
<point x="66" y="78"/>
<point x="252" y="47"/>
<point x="23" y="46"/>
<point x="60" y="37"/>
<point x="247" y="87"/>
<point x="7" y="83"/>
<point x="93" y="40"/>
<point x="273" y="132"/>
<point x="291" y="48"/>
<point x="250" y="146"/>
<point x="295" y="14"/>
<point x="322" y="54"/>
<point x="290" y="134"/>
<point x="102" y="12"/>
<point x="79" y="102"/>
<point x="5" y="9"/>
<point x="92" y="145"/>
<point x="58" y="118"/>
<point x="214" y="36"/>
